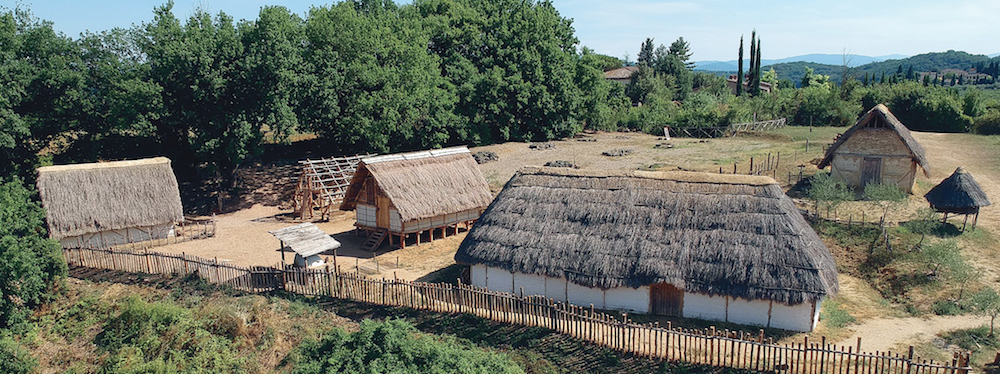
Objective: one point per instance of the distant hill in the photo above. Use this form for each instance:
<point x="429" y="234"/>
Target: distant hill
<point x="794" y="71"/>
<point x="827" y="59"/>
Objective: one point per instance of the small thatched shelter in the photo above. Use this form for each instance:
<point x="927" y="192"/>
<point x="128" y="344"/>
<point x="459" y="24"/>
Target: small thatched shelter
<point x="721" y="247"/>
<point x="110" y="203"/>
<point x="307" y="241"/>
<point x="877" y="149"/>
<point x="958" y="194"/>
<point x="412" y="193"/>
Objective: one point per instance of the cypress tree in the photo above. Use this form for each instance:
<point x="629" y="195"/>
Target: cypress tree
<point x="753" y="60"/>
<point x="739" y="71"/>
<point x="756" y="72"/>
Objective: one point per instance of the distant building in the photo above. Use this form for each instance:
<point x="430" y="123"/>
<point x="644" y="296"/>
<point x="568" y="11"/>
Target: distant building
<point x="621" y="75"/>
<point x="731" y="83"/>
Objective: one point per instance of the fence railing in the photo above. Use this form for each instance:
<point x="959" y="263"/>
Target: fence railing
<point x="737" y="128"/>
<point x="724" y="348"/>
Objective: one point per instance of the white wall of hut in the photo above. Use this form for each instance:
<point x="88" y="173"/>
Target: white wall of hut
<point x="800" y="317"/>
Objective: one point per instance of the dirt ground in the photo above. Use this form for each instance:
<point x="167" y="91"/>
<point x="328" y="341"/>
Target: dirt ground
<point x="979" y="156"/>
<point x="242" y="238"/>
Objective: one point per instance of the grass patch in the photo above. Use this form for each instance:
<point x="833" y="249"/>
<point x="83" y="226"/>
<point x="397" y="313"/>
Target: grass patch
<point x="834" y="315"/>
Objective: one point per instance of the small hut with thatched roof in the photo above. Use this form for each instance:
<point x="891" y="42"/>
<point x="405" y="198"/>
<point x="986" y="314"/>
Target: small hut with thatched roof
<point x="110" y="203"/>
<point x="412" y="193"/>
<point x="958" y="194"/>
<point x="711" y="246"/>
<point x="877" y="149"/>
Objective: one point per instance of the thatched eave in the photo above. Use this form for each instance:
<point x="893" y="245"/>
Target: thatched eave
<point x="959" y="193"/>
<point x="707" y="233"/>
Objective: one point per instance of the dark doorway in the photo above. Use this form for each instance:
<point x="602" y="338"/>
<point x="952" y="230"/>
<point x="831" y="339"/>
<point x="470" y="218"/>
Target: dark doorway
<point x="666" y="300"/>
<point x="871" y="171"/>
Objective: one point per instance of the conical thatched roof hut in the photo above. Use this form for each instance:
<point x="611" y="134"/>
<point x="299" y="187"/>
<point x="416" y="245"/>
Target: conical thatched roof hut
<point x="959" y="193"/>
<point x="877" y="149"/>
<point x="727" y="247"/>
<point x="416" y="192"/>
<point x="109" y="203"/>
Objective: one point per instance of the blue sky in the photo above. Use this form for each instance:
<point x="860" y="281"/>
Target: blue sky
<point x="712" y="27"/>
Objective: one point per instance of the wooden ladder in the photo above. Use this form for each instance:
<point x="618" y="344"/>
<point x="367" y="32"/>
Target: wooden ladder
<point x="375" y="240"/>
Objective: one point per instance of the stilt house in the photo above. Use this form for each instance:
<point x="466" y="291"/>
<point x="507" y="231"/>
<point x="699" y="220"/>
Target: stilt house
<point x="877" y="149"/>
<point x="958" y="194"/>
<point x="719" y="247"/>
<point x="413" y="193"/>
<point x="110" y="203"/>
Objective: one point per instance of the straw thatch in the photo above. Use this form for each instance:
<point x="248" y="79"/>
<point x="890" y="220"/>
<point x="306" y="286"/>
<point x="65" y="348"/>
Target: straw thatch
<point x="958" y="193"/>
<point x="91" y="198"/>
<point x="706" y="233"/>
<point x="880" y="116"/>
<point x="424" y="184"/>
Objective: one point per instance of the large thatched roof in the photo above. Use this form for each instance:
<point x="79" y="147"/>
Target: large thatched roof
<point x="709" y="233"/>
<point x="880" y="116"/>
<point x="957" y="193"/>
<point x="90" y="198"/>
<point x="424" y="184"/>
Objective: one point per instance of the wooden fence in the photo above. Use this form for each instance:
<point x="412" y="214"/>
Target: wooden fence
<point x="737" y="128"/>
<point x="723" y="348"/>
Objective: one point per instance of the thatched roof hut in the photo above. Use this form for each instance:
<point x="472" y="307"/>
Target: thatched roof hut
<point x="733" y="235"/>
<point x="418" y="191"/>
<point x="959" y="193"/>
<point x="877" y="149"/>
<point x="94" y="198"/>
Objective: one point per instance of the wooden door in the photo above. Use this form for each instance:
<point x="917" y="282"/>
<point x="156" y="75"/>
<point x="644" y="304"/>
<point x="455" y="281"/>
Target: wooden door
<point x="871" y="171"/>
<point x="666" y="300"/>
<point x="382" y="206"/>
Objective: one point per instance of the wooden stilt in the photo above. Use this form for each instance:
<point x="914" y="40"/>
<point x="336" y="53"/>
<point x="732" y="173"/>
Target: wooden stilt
<point x="975" y="220"/>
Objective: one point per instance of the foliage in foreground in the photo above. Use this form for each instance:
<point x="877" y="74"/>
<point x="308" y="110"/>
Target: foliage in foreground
<point x="31" y="265"/>
<point x="394" y="346"/>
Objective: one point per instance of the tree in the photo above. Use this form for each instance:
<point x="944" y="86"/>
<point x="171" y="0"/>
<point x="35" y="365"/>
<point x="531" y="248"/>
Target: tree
<point x="682" y="50"/>
<point x="755" y="84"/>
<point x="31" y="265"/>
<point x="739" y="71"/>
<point x="753" y="61"/>
<point x="885" y="197"/>
<point x="987" y="303"/>
<point x="645" y="56"/>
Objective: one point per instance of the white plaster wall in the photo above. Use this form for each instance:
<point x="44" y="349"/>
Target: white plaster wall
<point x="625" y="298"/>
<point x="499" y="280"/>
<point x="795" y="317"/>
<point x="531" y="283"/>
<point x="555" y="288"/>
<point x="477" y="275"/>
<point x="748" y="312"/>
<point x="584" y="296"/>
<point x="704" y="307"/>
<point x="117" y="237"/>
<point x="311" y="261"/>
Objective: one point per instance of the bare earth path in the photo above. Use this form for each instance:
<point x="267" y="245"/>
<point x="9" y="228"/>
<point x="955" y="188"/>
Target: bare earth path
<point x="979" y="156"/>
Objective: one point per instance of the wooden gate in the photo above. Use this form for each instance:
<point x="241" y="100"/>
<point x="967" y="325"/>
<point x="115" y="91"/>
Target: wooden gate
<point x="871" y="171"/>
<point x="666" y="300"/>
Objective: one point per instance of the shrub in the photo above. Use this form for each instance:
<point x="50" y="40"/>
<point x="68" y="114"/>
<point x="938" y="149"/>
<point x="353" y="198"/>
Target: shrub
<point x="946" y="308"/>
<point x="988" y="124"/>
<point x="14" y="359"/>
<point x="31" y="264"/>
<point x="394" y="346"/>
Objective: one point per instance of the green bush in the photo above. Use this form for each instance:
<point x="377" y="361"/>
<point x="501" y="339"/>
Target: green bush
<point x="14" y="359"/>
<point x="946" y="308"/>
<point x="31" y="264"/>
<point x="152" y="337"/>
<point x="987" y="125"/>
<point x="394" y="346"/>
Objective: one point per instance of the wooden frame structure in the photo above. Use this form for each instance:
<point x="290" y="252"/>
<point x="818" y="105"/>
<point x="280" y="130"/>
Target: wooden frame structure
<point x="323" y="183"/>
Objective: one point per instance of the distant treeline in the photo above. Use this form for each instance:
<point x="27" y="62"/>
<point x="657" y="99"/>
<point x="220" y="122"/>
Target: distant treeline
<point x="373" y="76"/>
